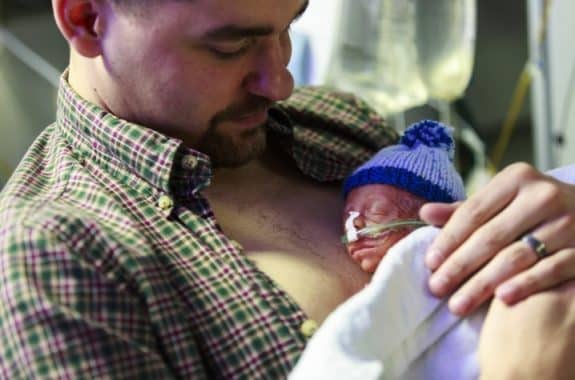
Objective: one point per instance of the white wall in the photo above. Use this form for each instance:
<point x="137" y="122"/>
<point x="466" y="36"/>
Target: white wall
<point x="553" y="92"/>
<point x="319" y="24"/>
<point x="562" y="60"/>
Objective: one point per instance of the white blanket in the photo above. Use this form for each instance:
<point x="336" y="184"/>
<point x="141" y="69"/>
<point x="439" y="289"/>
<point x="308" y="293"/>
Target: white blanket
<point x="394" y="328"/>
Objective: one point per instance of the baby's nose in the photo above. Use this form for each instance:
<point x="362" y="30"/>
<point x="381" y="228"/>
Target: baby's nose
<point x="359" y="222"/>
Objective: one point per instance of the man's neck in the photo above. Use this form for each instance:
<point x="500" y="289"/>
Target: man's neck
<point x="84" y="80"/>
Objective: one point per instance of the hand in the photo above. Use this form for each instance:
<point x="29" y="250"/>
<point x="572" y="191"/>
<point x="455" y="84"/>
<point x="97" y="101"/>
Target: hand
<point x="480" y="247"/>
<point x="534" y="339"/>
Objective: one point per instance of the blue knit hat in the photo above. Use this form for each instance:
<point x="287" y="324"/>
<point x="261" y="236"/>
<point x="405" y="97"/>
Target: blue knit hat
<point x="422" y="164"/>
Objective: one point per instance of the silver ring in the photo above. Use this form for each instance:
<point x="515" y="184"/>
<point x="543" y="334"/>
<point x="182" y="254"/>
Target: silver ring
<point x="536" y="245"/>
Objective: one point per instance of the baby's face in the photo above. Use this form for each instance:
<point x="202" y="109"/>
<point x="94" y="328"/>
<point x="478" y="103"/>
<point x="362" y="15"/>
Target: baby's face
<point x="378" y="204"/>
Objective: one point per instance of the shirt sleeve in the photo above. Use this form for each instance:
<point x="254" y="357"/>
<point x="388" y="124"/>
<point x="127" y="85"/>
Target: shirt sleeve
<point x="564" y="174"/>
<point x="328" y="133"/>
<point x="61" y="317"/>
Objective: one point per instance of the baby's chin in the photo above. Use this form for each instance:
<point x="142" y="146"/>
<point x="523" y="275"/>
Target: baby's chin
<point x="369" y="264"/>
<point x="369" y="252"/>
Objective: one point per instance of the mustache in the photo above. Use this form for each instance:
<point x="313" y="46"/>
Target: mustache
<point x="246" y="107"/>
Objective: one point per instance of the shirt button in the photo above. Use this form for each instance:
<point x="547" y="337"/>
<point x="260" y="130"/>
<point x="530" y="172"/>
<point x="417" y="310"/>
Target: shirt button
<point x="237" y="246"/>
<point x="165" y="202"/>
<point x="308" y="328"/>
<point x="189" y="161"/>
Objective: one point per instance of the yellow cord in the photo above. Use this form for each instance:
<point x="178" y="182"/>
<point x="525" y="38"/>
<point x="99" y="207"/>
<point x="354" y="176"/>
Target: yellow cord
<point x="510" y="121"/>
<point x="518" y="98"/>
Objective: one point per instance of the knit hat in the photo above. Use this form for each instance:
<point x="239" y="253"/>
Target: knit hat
<point x="421" y="163"/>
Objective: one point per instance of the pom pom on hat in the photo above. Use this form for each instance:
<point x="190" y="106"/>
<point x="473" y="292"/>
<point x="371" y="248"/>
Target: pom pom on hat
<point x="421" y="163"/>
<point x="429" y="133"/>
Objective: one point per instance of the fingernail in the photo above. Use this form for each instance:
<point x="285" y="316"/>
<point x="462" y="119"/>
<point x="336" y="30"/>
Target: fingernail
<point x="459" y="305"/>
<point x="433" y="259"/>
<point x="506" y="293"/>
<point x="439" y="284"/>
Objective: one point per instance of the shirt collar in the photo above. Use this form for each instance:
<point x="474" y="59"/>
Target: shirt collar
<point x="119" y="146"/>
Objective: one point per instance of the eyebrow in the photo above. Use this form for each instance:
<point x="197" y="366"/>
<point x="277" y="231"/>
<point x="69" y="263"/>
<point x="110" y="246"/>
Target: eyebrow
<point x="231" y="31"/>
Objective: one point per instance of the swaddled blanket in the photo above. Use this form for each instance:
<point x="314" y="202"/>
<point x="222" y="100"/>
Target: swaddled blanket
<point x="394" y="328"/>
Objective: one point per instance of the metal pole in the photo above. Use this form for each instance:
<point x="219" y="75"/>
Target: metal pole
<point x="540" y="91"/>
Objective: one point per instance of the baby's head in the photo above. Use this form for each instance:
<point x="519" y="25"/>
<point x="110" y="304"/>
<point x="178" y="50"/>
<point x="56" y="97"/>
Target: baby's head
<point x="394" y="184"/>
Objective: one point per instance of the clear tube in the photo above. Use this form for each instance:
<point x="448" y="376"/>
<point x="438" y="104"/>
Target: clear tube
<point x="374" y="230"/>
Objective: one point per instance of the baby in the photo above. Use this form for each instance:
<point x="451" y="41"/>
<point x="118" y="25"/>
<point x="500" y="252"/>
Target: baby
<point x="384" y="195"/>
<point x="394" y="328"/>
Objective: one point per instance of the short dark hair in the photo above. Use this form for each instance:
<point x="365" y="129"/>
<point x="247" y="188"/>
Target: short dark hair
<point x="139" y="4"/>
<point x="133" y="6"/>
<point x="131" y="2"/>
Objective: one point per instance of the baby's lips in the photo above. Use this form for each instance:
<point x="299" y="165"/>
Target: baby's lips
<point x="359" y="250"/>
<point x="366" y="257"/>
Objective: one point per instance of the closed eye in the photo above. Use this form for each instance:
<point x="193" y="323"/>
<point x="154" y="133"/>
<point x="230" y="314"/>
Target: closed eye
<point x="380" y="212"/>
<point x="230" y="49"/>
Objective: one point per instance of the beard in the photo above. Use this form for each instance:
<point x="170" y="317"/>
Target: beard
<point x="231" y="151"/>
<point x="235" y="149"/>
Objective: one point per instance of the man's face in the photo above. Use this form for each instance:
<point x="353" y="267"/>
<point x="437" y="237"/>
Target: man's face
<point x="204" y="71"/>
<point x="379" y="204"/>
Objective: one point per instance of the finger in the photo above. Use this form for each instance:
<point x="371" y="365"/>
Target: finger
<point x="527" y="210"/>
<point x="437" y="214"/>
<point x="559" y="234"/>
<point x="546" y="274"/>
<point x="509" y="262"/>
<point x="481" y="286"/>
<point x="476" y="251"/>
<point x="479" y="208"/>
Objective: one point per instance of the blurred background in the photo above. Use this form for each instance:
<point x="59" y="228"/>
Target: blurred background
<point x="32" y="55"/>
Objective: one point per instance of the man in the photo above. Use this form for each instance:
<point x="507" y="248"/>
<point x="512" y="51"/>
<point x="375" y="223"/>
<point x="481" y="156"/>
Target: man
<point x="144" y="228"/>
<point x="158" y="229"/>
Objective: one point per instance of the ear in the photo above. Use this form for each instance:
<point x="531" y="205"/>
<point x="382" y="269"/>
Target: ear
<point x="81" y="23"/>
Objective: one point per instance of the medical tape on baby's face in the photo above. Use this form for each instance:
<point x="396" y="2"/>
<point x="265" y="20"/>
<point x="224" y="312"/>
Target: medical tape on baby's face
<point x="350" y="230"/>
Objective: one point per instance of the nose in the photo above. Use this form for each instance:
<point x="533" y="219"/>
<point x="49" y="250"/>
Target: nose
<point x="270" y="78"/>
<point x="359" y="222"/>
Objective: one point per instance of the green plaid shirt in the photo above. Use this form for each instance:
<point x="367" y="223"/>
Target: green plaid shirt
<point x="112" y="264"/>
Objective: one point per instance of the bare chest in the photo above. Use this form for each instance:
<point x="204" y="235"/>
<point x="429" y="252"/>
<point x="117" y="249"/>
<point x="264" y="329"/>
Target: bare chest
<point x="290" y="228"/>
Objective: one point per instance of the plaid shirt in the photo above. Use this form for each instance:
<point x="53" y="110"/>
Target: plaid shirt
<point x="112" y="264"/>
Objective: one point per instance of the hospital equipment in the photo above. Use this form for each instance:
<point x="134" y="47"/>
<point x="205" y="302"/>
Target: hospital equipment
<point x="374" y="230"/>
<point x="401" y="53"/>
